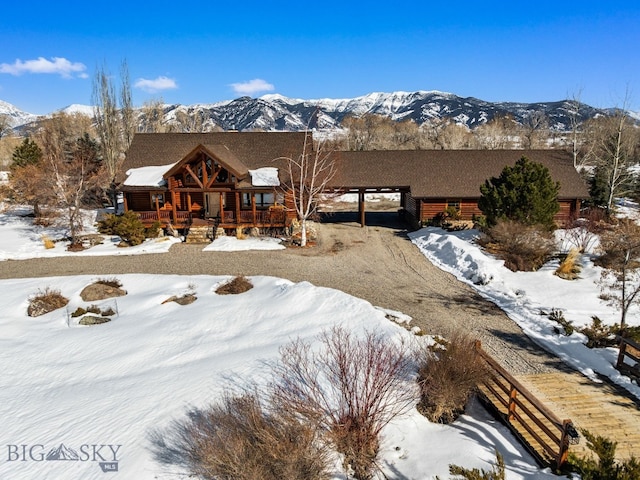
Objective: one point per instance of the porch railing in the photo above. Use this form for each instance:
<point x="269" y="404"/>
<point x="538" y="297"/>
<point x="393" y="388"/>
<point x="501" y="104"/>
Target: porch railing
<point x="262" y="217"/>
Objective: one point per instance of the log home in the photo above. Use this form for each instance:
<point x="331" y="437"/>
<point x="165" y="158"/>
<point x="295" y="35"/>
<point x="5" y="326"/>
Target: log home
<point x="228" y="179"/>
<point x="236" y="179"/>
<point x="431" y="181"/>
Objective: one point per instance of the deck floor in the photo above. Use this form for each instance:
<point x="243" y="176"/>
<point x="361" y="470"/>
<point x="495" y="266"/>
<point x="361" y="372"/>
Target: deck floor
<point x="603" y="409"/>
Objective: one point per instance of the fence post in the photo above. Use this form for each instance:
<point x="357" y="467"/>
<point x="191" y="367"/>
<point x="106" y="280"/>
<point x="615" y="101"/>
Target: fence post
<point x="564" y="444"/>
<point x="622" y="351"/>
<point x="513" y="393"/>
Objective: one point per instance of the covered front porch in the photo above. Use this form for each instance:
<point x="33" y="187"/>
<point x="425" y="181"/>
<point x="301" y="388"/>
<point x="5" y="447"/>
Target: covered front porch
<point x="272" y="218"/>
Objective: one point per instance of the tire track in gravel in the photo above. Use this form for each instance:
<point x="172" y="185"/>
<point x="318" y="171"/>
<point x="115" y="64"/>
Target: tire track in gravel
<point x="377" y="263"/>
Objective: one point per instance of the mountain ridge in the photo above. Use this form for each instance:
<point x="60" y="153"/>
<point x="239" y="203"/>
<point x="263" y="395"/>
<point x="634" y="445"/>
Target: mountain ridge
<point x="278" y="112"/>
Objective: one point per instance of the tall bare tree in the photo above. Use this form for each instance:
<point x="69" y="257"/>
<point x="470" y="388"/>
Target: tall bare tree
<point x="309" y="175"/>
<point x="113" y="124"/>
<point x="613" y="150"/>
<point x="535" y="130"/>
<point x="152" y="117"/>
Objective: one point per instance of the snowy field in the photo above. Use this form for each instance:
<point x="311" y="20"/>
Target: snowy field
<point x="110" y="384"/>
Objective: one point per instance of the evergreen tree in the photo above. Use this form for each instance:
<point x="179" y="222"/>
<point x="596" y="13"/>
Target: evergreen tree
<point x="27" y="153"/>
<point x="525" y="193"/>
<point x="598" y="191"/>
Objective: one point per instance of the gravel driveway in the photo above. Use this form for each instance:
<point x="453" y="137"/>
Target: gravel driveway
<point x="377" y="263"/>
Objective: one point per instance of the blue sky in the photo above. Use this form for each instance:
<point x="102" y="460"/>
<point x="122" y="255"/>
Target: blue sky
<point x="203" y="52"/>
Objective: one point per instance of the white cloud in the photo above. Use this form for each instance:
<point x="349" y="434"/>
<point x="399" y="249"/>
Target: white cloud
<point x="57" y="65"/>
<point x="156" y="85"/>
<point x="252" y="86"/>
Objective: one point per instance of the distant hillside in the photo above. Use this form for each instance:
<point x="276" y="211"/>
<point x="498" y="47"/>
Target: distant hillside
<point x="275" y="112"/>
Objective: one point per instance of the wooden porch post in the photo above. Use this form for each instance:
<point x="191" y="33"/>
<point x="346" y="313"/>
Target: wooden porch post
<point x="221" y="208"/>
<point x="361" y="207"/>
<point x="189" y="202"/>
<point x="174" y="206"/>
<point x="157" y="207"/>
<point x="237" y="207"/>
<point x="253" y="207"/>
<point x="126" y="204"/>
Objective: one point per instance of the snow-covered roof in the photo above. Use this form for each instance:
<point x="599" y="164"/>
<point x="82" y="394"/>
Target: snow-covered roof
<point x="152" y="176"/>
<point x="265" y="177"/>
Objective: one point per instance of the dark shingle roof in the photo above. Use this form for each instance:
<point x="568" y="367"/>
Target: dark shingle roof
<point x="428" y="173"/>
<point x="448" y="173"/>
<point x="251" y="149"/>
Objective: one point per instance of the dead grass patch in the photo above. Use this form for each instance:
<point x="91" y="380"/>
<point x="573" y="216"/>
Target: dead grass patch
<point x="569" y="268"/>
<point x="239" y="284"/>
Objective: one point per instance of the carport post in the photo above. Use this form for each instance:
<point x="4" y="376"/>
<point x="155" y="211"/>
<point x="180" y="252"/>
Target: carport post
<point x="361" y="207"/>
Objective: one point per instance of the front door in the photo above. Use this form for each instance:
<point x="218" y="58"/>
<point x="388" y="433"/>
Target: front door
<point x="212" y="204"/>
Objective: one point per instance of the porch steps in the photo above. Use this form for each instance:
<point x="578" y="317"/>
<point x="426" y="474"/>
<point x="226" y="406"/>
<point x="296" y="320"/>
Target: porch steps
<point x="199" y="234"/>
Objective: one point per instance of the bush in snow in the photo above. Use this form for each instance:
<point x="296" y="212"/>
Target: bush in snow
<point x="240" y="439"/>
<point x="127" y="226"/>
<point x="45" y="301"/>
<point x="606" y="467"/>
<point x="448" y="376"/>
<point x="569" y="267"/>
<point x="496" y="473"/>
<point x="351" y="388"/>
<point x="522" y="247"/>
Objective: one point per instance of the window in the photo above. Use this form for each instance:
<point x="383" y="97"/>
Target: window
<point x="262" y="200"/>
<point x="159" y="197"/>
<point x="454" y="204"/>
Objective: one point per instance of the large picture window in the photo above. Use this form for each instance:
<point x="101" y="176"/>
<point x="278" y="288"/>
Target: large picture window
<point x="263" y="199"/>
<point x="159" y="197"/>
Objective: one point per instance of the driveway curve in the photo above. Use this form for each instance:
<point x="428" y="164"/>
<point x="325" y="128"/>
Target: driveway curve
<point x="377" y="263"/>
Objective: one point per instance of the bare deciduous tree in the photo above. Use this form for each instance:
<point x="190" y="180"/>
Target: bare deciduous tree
<point x="72" y="171"/>
<point x="535" y="130"/>
<point x="152" y="117"/>
<point x="309" y="174"/>
<point x="351" y="388"/>
<point x="497" y="133"/>
<point x="114" y="125"/>
<point x="620" y="282"/>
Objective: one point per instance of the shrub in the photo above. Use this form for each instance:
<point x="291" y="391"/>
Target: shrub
<point x="127" y="226"/>
<point x="522" y="247"/>
<point x="605" y="467"/>
<point x="448" y="376"/>
<point x="45" y="301"/>
<point x="496" y="473"/>
<point x="47" y="242"/>
<point x="351" y="388"/>
<point x="153" y="231"/>
<point x="238" y="285"/>
<point x="569" y="268"/>
<point x="557" y="315"/>
<point x="600" y="335"/>
<point x="109" y="282"/>
<point x="238" y="439"/>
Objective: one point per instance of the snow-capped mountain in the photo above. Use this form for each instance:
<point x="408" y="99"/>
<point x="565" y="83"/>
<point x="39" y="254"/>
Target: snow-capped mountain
<point x="276" y="112"/>
<point x="16" y="117"/>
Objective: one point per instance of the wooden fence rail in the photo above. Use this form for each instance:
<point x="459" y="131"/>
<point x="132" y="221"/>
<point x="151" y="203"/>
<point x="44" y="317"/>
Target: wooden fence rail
<point x="629" y="358"/>
<point x="540" y="430"/>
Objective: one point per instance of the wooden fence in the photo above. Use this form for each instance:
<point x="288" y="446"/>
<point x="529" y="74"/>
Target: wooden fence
<point x="629" y="358"/>
<point x="540" y="430"/>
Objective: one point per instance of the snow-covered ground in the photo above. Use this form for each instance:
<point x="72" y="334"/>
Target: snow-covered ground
<point x="110" y="384"/>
